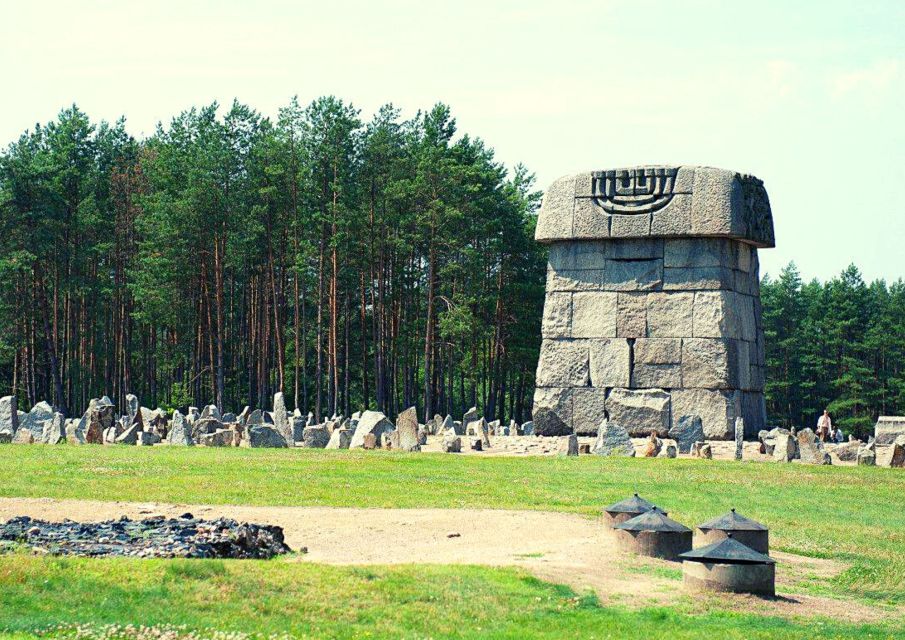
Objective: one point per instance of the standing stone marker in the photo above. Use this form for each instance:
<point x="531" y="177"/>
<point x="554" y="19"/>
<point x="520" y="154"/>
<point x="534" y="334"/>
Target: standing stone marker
<point x="652" y="307"/>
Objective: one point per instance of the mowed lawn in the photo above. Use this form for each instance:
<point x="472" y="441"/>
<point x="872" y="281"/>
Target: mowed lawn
<point x="853" y="514"/>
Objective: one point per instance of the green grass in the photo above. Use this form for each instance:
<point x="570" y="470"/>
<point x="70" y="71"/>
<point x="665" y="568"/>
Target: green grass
<point x="318" y="601"/>
<point x="853" y="514"/>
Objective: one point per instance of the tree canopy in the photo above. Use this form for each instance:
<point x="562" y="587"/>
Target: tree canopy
<point x="352" y="264"/>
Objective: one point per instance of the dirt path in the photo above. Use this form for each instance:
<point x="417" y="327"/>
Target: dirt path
<point x="558" y="547"/>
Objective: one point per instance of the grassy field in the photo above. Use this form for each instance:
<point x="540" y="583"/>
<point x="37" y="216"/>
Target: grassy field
<point x="318" y="601"/>
<point x="854" y="514"/>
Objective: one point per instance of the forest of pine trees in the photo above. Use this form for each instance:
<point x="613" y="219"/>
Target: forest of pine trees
<point x="838" y="345"/>
<point x="351" y="264"/>
<point x="384" y="264"/>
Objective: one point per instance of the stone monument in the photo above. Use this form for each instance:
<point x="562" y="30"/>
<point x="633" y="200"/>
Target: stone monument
<point x="652" y="307"/>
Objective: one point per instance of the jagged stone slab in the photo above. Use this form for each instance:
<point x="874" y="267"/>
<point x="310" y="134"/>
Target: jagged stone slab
<point x="9" y="416"/>
<point x="54" y="430"/>
<point x="281" y="418"/>
<point x="613" y="440"/>
<point x="567" y="445"/>
<point x="897" y="460"/>
<point x="407" y="428"/>
<point x="265" y="436"/>
<point x="686" y="431"/>
<point x="810" y="448"/>
<point x="373" y="422"/>
<point x="340" y="439"/>
<point x="35" y="419"/>
<point x="180" y="433"/>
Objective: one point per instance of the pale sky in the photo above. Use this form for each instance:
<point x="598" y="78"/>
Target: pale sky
<point x="807" y="95"/>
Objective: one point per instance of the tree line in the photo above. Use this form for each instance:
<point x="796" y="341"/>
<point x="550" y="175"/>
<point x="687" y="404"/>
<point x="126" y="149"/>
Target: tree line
<point x="351" y="264"/>
<point x="838" y="345"/>
<point x="382" y="263"/>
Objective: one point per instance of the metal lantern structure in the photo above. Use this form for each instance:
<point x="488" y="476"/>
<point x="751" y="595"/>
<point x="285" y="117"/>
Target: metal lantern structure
<point x="653" y="534"/>
<point x="729" y="566"/>
<point x="625" y="510"/>
<point x="745" y="530"/>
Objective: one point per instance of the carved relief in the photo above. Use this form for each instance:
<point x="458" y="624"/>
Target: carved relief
<point x="634" y="191"/>
<point x="758" y="215"/>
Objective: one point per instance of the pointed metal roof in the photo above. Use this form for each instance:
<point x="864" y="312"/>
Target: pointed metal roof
<point x="635" y="504"/>
<point x="727" y="551"/>
<point x="652" y="520"/>
<point x="733" y="521"/>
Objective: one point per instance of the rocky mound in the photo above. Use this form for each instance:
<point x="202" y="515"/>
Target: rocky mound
<point x="156" y="537"/>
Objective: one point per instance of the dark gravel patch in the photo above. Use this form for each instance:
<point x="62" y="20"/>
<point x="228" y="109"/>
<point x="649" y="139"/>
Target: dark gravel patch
<point x="156" y="537"/>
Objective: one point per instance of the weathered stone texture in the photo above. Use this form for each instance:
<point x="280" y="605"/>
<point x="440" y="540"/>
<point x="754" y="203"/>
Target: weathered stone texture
<point x="373" y="422"/>
<point x="686" y="431"/>
<point x="670" y="315"/>
<point x="640" y="412"/>
<point x="653" y="285"/>
<point x="316" y="437"/>
<point x="557" y="321"/>
<point x="9" y="417"/>
<point x="594" y="314"/>
<point x="631" y="315"/>
<point x="563" y="363"/>
<point x="888" y="428"/>
<point x="407" y="428"/>
<point x="610" y="363"/>
<point x="613" y="440"/>
<point x="588" y="410"/>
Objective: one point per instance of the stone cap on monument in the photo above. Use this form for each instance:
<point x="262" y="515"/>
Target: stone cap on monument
<point x="657" y="202"/>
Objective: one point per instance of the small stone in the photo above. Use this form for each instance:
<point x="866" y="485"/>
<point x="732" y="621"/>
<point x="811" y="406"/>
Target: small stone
<point x="898" y="453"/>
<point x="264" y="436"/>
<point x="613" y="440"/>
<point x="477" y="444"/>
<point x="705" y="451"/>
<point x="653" y="446"/>
<point x="451" y="442"/>
<point x="317" y="437"/>
<point x="668" y="451"/>
<point x="373" y="422"/>
<point x="689" y="430"/>
<point x="369" y="441"/>
<point x="810" y="448"/>
<point x="568" y="445"/>
<point x="340" y="439"/>
<point x="148" y="438"/>
<point x="785" y="447"/>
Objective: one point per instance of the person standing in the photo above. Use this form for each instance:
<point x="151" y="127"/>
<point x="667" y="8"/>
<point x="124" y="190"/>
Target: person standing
<point x="824" y="426"/>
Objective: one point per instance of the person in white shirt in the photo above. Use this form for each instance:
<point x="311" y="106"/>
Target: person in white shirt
<point x="824" y="426"/>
